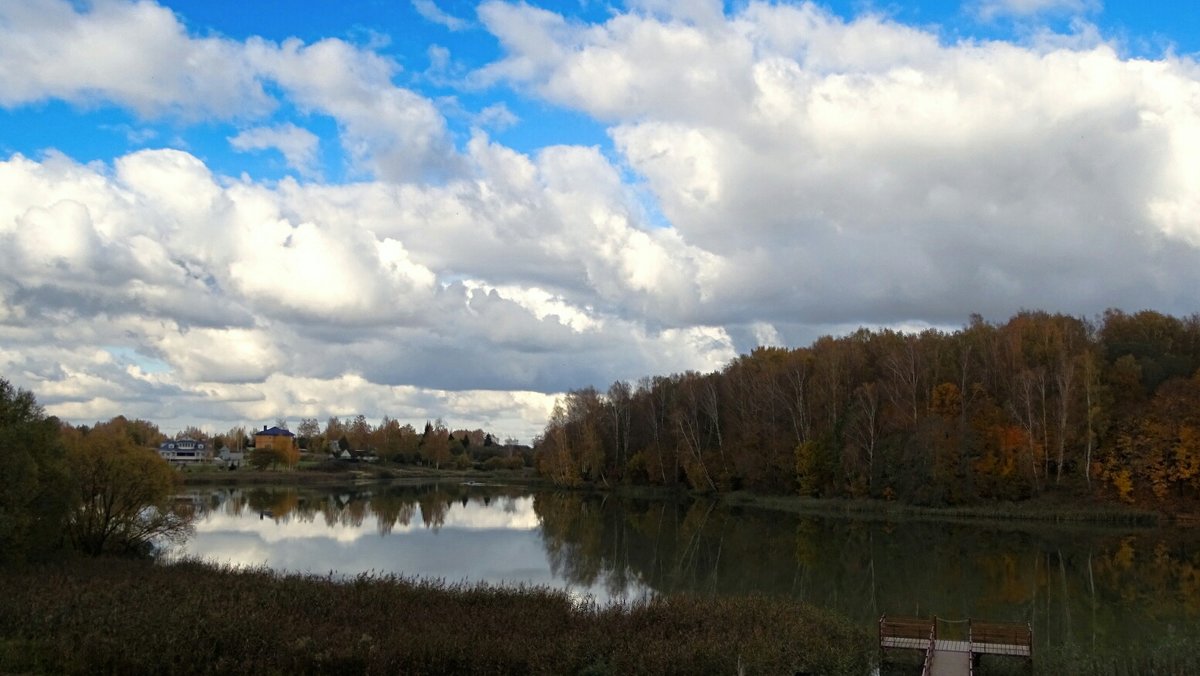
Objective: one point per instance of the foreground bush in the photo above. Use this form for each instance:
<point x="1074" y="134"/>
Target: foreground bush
<point x="121" y="616"/>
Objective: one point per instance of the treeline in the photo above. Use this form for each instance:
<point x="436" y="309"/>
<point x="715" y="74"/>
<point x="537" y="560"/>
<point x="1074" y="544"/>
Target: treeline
<point x="437" y="445"/>
<point x="1044" y="402"/>
<point x="66" y="491"/>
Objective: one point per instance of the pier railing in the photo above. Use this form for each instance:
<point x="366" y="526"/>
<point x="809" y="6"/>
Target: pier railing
<point x="1010" y="639"/>
<point x="1002" y="638"/>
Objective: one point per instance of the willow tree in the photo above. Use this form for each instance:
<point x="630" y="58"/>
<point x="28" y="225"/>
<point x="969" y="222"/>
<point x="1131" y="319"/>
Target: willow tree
<point x="123" y="496"/>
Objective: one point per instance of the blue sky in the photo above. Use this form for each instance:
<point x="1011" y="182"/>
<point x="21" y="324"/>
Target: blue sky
<point x="222" y="213"/>
<point x="398" y="30"/>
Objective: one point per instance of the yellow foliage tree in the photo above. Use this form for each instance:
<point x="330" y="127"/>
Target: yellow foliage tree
<point x="122" y="495"/>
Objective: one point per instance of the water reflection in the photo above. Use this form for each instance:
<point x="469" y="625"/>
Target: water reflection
<point x="1096" y="589"/>
<point x="453" y="532"/>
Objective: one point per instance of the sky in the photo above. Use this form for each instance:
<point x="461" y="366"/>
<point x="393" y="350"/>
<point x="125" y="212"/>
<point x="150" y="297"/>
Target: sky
<point x="226" y="213"/>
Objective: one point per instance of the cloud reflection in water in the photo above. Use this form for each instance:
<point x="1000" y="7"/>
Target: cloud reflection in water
<point x="494" y="541"/>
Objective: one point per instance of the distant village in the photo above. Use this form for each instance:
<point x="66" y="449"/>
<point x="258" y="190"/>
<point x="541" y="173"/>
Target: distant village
<point x="277" y="446"/>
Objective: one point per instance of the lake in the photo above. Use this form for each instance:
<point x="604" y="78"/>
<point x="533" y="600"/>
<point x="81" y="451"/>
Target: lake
<point x="1088" y="589"/>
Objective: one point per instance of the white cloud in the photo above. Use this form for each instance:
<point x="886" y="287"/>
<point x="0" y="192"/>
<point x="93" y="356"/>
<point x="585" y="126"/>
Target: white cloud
<point x="766" y="335"/>
<point x="57" y="237"/>
<point x="989" y="10"/>
<point x="840" y="171"/>
<point x="136" y="136"/>
<point x="541" y="304"/>
<point x="396" y="132"/>
<point x="297" y="145"/>
<point x="496" y="116"/>
<point x="693" y="11"/>
<point x="220" y="354"/>
<point x="141" y="56"/>
<point x="262" y="300"/>
<point x="430" y="10"/>
<point x="135" y="53"/>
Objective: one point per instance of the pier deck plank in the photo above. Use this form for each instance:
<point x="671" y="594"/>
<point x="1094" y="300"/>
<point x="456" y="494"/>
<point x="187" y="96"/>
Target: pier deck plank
<point x="950" y="663"/>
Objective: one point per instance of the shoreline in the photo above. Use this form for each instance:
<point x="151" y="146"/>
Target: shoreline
<point x="1045" y="511"/>
<point x="1040" y="512"/>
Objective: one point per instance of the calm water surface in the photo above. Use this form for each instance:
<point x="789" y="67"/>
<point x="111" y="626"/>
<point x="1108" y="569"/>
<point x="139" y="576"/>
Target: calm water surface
<point x="454" y="532"/>
<point x="1093" y="588"/>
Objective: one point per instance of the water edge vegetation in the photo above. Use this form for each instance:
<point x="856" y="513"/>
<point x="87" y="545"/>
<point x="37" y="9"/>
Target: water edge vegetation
<point x="132" y="616"/>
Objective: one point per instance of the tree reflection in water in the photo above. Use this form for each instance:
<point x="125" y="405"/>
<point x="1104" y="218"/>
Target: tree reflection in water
<point x="1095" y="590"/>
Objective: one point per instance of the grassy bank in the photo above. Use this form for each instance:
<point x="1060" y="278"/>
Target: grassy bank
<point x="1040" y="511"/>
<point x="137" y="617"/>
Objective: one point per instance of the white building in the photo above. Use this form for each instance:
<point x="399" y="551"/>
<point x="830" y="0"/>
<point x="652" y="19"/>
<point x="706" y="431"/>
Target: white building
<point x="184" y="451"/>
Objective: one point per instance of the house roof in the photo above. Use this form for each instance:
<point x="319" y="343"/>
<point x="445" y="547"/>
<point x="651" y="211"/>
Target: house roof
<point x="185" y="443"/>
<point x="274" y="432"/>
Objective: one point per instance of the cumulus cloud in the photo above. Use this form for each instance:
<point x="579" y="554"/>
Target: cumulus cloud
<point x="858" y="170"/>
<point x="396" y="132"/>
<point x="140" y="55"/>
<point x="244" y="291"/>
<point x="297" y="145"/>
<point x="137" y="54"/>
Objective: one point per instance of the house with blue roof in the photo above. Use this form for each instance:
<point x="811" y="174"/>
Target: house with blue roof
<point x="276" y="438"/>
<point x="184" y="451"/>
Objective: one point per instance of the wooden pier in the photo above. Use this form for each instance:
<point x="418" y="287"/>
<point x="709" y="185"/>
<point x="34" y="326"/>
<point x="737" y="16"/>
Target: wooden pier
<point x="946" y="657"/>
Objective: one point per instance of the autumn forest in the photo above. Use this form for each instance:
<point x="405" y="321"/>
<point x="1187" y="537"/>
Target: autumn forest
<point x="1043" y="403"/>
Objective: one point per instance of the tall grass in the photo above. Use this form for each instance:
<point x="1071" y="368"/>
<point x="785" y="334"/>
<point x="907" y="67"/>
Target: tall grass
<point x="1172" y="656"/>
<point x="111" y="616"/>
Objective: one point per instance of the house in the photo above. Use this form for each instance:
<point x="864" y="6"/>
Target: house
<point x="231" y="458"/>
<point x="276" y="438"/>
<point x="183" y="451"/>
